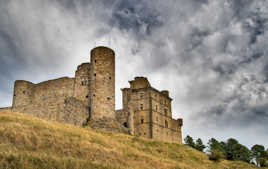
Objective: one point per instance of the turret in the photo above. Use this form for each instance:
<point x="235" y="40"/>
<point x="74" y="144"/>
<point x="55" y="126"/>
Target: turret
<point x="102" y="83"/>
<point x="22" y="93"/>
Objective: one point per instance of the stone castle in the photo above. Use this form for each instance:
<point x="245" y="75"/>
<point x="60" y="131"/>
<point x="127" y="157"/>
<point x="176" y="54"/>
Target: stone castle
<point x="89" y="99"/>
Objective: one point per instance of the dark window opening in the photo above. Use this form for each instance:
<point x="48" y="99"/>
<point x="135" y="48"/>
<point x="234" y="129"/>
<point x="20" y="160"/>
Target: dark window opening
<point x="108" y="98"/>
<point x="144" y="133"/>
<point x="86" y="96"/>
<point x="95" y="74"/>
<point x="95" y="61"/>
<point x="165" y="110"/>
<point x="94" y="95"/>
<point x="141" y="106"/>
<point x="125" y="125"/>
<point x="166" y="124"/>
<point x="142" y="121"/>
<point x="23" y="92"/>
<point x="110" y="77"/>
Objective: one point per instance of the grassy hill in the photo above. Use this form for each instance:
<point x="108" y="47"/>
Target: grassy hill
<point x="28" y="142"/>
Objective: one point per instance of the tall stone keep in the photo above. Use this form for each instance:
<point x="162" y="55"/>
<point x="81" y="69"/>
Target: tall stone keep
<point x="102" y="83"/>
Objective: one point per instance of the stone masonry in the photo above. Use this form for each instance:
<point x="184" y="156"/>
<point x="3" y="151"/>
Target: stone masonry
<point x="89" y="99"/>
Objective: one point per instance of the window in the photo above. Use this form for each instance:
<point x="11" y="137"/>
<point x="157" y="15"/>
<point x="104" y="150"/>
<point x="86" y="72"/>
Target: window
<point x="83" y="81"/>
<point x="86" y="96"/>
<point x="141" y="106"/>
<point x="144" y="133"/>
<point x="23" y="92"/>
<point x="95" y="61"/>
<point x="141" y="95"/>
<point x="166" y="124"/>
<point x="142" y="121"/>
<point x="95" y="74"/>
<point x="156" y="107"/>
<point x="125" y="125"/>
<point x="110" y="77"/>
<point x="108" y="98"/>
<point x="165" y="111"/>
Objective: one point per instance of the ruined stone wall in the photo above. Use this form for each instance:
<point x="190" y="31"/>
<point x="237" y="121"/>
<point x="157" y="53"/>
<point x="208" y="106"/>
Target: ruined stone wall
<point x="75" y="112"/>
<point x="49" y="100"/>
<point x="82" y="83"/>
<point x="102" y="83"/>
<point x="122" y="117"/>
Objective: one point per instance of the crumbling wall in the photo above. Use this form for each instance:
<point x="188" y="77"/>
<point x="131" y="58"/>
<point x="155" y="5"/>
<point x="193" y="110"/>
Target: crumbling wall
<point x="75" y="112"/>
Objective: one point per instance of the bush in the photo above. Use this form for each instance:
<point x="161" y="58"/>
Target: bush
<point x="216" y="155"/>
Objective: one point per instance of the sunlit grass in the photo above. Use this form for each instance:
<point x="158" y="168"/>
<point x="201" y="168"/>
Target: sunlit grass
<point x="28" y="142"/>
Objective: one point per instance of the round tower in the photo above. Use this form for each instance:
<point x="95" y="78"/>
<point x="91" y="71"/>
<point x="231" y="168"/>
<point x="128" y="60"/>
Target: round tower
<point x="22" y="93"/>
<point x="102" y="83"/>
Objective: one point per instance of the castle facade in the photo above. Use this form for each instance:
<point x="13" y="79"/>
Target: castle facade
<point x="89" y="97"/>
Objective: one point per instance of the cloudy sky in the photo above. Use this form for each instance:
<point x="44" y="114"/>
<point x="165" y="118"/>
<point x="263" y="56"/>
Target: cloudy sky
<point x="211" y="55"/>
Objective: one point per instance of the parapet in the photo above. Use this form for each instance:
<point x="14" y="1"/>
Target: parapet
<point x="139" y="82"/>
<point x="102" y="50"/>
<point x="23" y="91"/>
<point x="83" y="66"/>
<point x="180" y="122"/>
<point x="165" y="92"/>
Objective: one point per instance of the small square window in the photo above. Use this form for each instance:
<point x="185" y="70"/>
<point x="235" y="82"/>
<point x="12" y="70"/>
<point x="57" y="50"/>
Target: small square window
<point x="95" y="74"/>
<point x="142" y="121"/>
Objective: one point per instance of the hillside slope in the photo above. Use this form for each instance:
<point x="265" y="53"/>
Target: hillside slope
<point x="28" y="142"/>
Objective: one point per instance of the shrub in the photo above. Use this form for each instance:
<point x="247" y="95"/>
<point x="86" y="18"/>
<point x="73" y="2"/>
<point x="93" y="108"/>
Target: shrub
<point x="216" y="155"/>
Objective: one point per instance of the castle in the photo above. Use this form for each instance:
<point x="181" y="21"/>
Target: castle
<point x="89" y="99"/>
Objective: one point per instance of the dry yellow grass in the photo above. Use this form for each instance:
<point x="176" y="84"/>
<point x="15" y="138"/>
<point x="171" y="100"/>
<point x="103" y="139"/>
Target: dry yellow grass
<point x="28" y="142"/>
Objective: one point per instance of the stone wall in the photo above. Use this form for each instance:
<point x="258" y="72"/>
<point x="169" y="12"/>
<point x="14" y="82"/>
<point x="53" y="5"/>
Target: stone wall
<point x="75" y="112"/>
<point x="82" y="83"/>
<point x="50" y="100"/>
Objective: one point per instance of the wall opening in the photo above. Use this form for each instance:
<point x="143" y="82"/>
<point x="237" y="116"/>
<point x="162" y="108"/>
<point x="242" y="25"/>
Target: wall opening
<point x="141" y="106"/>
<point x="166" y="124"/>
<point x="125" y="125"/>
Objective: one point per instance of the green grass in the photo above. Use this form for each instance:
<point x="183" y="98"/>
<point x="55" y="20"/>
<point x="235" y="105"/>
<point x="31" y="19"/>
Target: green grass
<point x="30" y="143"/>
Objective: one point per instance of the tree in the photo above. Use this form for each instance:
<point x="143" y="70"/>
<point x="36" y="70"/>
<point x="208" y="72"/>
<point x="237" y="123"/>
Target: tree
<point x="213" y="144"/>
<point x="260" y="155"/>
<point x="199" y="145"/>
<point x="189" y="141"/>
<point x="231" y="146"/>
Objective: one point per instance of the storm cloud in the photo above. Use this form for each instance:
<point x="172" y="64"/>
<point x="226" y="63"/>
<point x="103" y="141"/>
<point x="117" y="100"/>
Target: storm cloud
<point x="211" y="55"/>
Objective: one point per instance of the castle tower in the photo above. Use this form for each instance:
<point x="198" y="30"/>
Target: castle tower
<point x="102" y="86"/>
<point x="22" y="93"/>
<point x="82" y="83"/>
